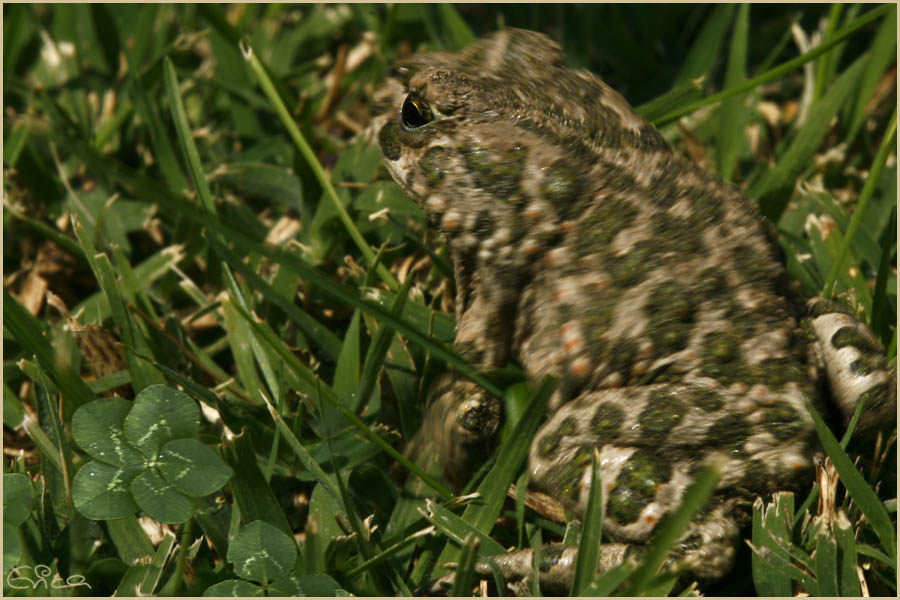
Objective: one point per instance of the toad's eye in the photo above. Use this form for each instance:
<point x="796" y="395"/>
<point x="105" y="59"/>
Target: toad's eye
<point x="415" y="112"/>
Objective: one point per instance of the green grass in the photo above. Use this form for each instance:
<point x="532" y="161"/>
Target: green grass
<point x="211" y="215"/>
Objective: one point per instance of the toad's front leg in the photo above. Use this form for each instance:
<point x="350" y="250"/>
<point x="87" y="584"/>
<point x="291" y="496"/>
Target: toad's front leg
<point x="458" y="432"/>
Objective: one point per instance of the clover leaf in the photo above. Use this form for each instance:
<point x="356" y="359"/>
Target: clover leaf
<point x="264" y="558"/>
<point x="161" y="414"/>
<point x="98" y="429"/>
<point x="145" y="457"/>
<point x="192" y="467"/>
<point x="18" y="498"/>
<point x="18" y="502"/>
<point x="261" y="552"/>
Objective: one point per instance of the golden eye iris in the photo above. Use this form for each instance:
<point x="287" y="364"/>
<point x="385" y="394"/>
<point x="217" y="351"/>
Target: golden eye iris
<point x="415" y="112"/>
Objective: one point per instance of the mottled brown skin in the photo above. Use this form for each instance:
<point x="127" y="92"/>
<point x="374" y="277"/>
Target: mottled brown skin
<point x="586" y="249"/>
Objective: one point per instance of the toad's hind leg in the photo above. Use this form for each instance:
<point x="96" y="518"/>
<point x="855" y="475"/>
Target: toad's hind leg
<point x="854" y="364"/>
<point x="704" y="552"/>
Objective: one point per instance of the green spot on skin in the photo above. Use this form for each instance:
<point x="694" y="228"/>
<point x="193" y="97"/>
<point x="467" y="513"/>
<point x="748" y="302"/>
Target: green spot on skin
<point x="728" y="433"/>
<point x="561" y="186"/>
<point x="721" y="358"/>
<point x="711" y="283"/>
<point x="723" y="349"/>
<point x="564" y="478"/>
<point x="824" y="307"/>
<point x="776" y="372"/>
<point x="606" y="421"/>
<point x="596" y="232"/>
<point x="849" y="336"/>
<point x="662" y="413"/>
<point x="708" y="400"/>
<point x="706" y="208"/>
<point x="755" y="265"/>
<point x="478" y="161"/>
<point x="636" y="485"/>
<point x="499" y="173"/>
<point x="549" y="443"/>
<point x="434" y="164"/>
<point x="630" y="269"/>
<point x="672" y="308"/>
<point x="621" y="356"/>
<point x="756" y="476"/>
<point x="389" y="141"/>
<point x="782" y="421"/>
<point x="677" y="235"/>
<point x="598" y="319"/>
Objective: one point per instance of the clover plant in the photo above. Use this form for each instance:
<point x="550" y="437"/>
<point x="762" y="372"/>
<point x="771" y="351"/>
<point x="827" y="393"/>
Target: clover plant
<point x="264" y="558"/>
<point x="145" y="455"/>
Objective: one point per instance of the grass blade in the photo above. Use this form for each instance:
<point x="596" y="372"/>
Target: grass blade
<point x="826" y="563"/>
<point x="378" y="350"/>
<point x="458" y="529"/>
<point x="163" y="152"/>
<point x="148" y="273"/>
<point x="466" y="567"/>
<point x="826" y="241"/>
<point x="688" y="91"/>
<point x="346" y="372"/>
<point x="823" y="64"/>
<point x="788" y="570"/>
<point x="706" y="49"/>
<point x="186" y="138"/>
<point x="155" y="569"/>
<point x="460" y="33"/>
<point x="311" y="275"/>
<point x="313" y="162"/>
<point x="856" y="486"/>
<point x="591" y="534"/>
<point x="780" y="70"/>
<point x="732" y="116"/>
<point x="320" y="334"/>
<point x="132" y="543"/>
<point x="607" y="583"/>
<point x="880" y="309"/>
<point x="887" y="145"/>
<point x="882" y="53"/>
<point x="26" y="330"/>
<point x="135" y="344"/>
<point x="771" y="528"/>
<point x="254" y="496"/>
<point x="766" y="190"/>
<point x="238" y="333"/>
<point x="847" y="557"/>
